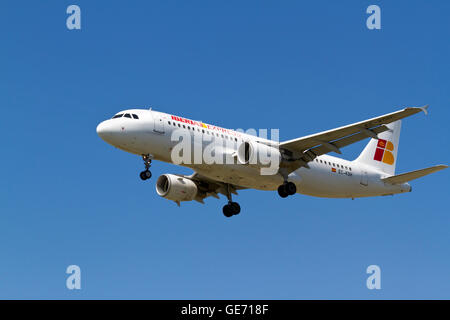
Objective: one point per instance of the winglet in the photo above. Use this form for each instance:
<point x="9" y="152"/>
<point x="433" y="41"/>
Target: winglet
<point x="425" y="109"/>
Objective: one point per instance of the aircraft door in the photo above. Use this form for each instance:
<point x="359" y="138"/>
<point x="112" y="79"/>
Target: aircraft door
<point x="159" y="123"/>
<point x="364" y="178"/>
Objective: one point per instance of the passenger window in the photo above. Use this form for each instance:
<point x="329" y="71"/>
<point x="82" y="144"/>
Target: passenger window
<point x="168" y="122"/>
<point x="203" y="131"/>
<point x="179" y="126"/>
<point x="135" y="116"/>
<point x="127" y="115"/>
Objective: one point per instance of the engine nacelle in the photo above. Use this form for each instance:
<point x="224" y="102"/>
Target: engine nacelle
<point x="258" y="154"/>
<point x="176" y="188"/>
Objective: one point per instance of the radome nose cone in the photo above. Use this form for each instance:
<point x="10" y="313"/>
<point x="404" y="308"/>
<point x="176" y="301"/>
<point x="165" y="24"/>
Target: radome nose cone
<point x="104" y="130"/>
<point x="100" y="129"/>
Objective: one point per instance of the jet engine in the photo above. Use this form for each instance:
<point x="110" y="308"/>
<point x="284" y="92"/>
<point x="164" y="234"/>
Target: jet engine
<point x="176" y="188"/>
<point x="257" y="153"/>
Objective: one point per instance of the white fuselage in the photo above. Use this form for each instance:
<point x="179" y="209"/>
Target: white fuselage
<point x="327" y="176"/>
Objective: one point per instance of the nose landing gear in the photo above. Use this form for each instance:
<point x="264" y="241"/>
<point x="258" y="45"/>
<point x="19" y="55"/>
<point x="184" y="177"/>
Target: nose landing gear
<point x="287" y="189"/>
<point x="146" y="174"/>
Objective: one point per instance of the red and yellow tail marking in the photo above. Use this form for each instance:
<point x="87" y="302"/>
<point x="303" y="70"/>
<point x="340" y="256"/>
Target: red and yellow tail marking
<point x="383" y="152"/>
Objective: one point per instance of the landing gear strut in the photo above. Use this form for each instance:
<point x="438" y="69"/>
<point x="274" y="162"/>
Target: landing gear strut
<point x="287" y="189"/>
<point x="232" y="208"/>
<point x="146" y="174"/>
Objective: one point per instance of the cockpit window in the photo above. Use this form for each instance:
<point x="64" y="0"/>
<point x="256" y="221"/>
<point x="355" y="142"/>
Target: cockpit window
<point x="126" y="115"/>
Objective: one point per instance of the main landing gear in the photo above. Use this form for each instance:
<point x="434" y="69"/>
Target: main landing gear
<point x="146" y="174"/>
<point x="287" y="189"/>
<point x="232" y="208"/>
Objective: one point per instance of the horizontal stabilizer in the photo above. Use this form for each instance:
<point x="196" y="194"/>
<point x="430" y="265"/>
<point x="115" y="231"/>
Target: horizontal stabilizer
<point x="405" y="177"/>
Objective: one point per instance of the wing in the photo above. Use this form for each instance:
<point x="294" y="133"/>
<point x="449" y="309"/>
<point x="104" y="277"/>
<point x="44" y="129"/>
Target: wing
<point x="211" y="188"/>
<point x="300" y="151"/>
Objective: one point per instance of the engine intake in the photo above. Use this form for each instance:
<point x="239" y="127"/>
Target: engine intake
<point x="176" y="188"/>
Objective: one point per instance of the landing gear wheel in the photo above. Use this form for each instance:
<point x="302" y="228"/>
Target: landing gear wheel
<point x="290" y="188"/>
<point x="231" y="209"/>
<point x="282" y="191"/>
<point x="145" y="175"/>
<point x="287" y="189"/>
<point x="227" y="211"/>
<point x="236" y="208"/>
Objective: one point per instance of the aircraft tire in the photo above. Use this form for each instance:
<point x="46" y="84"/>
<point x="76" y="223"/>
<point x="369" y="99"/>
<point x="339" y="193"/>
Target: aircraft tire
<point x="236" y="208"/>
<point x="282" y="192"/>
<point x="144" y="175"/>
<point x="227" y="211"/>
<point x="291" y="189"/>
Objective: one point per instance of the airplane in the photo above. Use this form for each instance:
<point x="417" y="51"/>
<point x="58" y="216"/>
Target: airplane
<point x="303" y="165"/>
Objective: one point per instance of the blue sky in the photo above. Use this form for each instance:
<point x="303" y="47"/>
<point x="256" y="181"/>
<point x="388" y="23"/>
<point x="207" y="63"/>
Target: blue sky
<point x="69" y="198"/>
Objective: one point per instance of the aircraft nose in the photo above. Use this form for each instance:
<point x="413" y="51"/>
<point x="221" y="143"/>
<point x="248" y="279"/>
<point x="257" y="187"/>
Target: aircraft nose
<point x="105" y="130"/>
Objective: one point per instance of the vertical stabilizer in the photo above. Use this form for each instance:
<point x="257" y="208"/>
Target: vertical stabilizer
<point x="382" y="153"/>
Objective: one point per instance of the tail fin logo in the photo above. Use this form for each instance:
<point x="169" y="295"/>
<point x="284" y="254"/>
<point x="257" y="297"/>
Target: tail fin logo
<point x="383" y="152"/>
